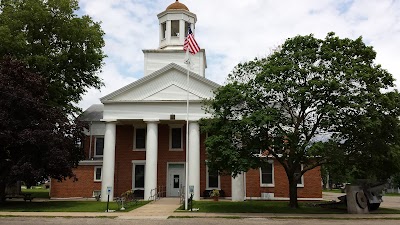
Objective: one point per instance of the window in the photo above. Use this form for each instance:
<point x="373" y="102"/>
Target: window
<point x="176" y="138"/>
<point x="175" y="28"/>
<point x="97" y="173"/>
<point x="163" y="30"/>
<point x="99" y="146"/>
<point x="300" y="182"/>
<point x="267" y="175"/>
<point x="140" y="139"/>
<point x="138" y="180"/>
<point x="186" y="28"/>
<point x="213" y="180"/>
<point x="96" y="193"/>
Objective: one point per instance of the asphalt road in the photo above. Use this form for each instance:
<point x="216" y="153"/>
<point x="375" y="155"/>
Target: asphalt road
<point x="192" y="221"/>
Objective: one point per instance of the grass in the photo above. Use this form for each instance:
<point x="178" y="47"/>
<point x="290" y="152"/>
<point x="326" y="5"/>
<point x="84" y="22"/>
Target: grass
<point x="64" y="206"/>
<point x="333" y="191"/>
<point x="274" y="207"/>
<point x="392" y="194"/>
<point x="37" y="192"/>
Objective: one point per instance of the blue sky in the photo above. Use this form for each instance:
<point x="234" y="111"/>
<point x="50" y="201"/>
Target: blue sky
<point x="234" y="31"/>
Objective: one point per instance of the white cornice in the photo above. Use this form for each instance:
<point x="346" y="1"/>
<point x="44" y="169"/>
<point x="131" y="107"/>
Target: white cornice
<point x="107" y="98"/>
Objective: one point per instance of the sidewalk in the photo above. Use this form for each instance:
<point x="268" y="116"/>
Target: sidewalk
<point x="282" y="216"/>
<point x="160" y="209"/>
<point x="165" y="208"/>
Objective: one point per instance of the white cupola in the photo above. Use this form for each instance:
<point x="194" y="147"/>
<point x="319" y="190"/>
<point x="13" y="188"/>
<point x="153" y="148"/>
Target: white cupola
<point x="173" y="26"/>
<point x="173" y="23"/>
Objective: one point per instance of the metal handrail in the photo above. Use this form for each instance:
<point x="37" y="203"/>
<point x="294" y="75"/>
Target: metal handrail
<point x="182" y="194"/>
<point x="157" y="193"/>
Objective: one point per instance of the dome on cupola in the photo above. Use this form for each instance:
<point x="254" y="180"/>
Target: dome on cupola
<point x="177" y="6"/>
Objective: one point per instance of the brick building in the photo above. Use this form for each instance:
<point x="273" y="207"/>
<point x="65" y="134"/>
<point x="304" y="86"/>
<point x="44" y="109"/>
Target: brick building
<point x="137" y="136"/>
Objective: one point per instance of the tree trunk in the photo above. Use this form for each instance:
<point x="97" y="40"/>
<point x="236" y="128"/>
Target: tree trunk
<point x="2" y="192"/>
<point x="293" y="192"/>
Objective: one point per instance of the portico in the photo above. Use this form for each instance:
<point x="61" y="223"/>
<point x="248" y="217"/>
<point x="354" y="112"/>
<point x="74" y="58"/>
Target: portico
<point x="152" y="155"/>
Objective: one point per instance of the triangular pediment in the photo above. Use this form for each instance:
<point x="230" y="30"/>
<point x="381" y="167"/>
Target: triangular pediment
<point x="166" y="84"/>
<point x="171" y="93"/>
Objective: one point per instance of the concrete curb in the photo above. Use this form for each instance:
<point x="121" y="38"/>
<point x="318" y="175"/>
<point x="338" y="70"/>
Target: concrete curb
<point x="127" y="216"/>
<point x="285" y="216"/>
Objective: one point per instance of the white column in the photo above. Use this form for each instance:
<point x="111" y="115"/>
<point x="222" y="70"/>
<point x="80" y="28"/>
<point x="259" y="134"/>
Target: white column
<point x="194" y="158"/>
<point x="168" y="32"/>
<point x="150" y="178"/>
<point x="161" y="33"/>
<point x="182" y="31"/>
<point x="238" y="188"/>
<point x="108" y="161"/>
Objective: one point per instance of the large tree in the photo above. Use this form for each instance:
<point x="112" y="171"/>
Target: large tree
<point x="37" y="140"/>
<point x="312" y="101"/>
<point x="57" y="43"/>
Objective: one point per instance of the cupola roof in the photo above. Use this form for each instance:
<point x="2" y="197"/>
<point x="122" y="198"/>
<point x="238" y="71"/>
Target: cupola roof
<point x="177" y="6"/>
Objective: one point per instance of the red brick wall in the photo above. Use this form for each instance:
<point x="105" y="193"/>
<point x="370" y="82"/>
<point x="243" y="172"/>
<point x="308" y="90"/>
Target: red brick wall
<point x="83" y="187"/>
<point x="165" y="155"/>
<point x="86" y="146"/>
<point x="312" y="183"/>
<point x="124" y="155"/>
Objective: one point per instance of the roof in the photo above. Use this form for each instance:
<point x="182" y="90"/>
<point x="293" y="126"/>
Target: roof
<point x="155" y="74"/>
<point x="93" y="113"/>
<point x="177" y="6"/>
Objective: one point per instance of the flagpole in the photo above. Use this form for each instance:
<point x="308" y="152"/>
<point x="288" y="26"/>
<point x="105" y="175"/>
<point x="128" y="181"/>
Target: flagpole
<point x="187" y="61"/>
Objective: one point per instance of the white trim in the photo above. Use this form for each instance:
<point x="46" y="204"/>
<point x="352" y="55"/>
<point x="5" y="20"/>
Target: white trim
<point x="98" y="193"/>
<point x="95" y="145"/>
<point x="273" y="177"/>
<point x="172" y="126"/>
<point x="91" y="163"/>
<point x="207" y="181"/>
<point x="195" y="76"/>
<point x="101" y="173"/>
<point x="134" y="137"/>
<point x="301" y="178"/>
<point x="134" y="163"/>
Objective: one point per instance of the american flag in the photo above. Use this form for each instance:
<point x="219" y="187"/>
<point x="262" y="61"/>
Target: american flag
<point x="190" y="43"/>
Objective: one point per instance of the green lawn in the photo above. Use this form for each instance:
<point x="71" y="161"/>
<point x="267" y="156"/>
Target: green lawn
<point x="37" y="192"/>
<point x="391" y="194"/>
<point x="333" y="191"/>
<point x="272" y="207"/>
<point x="64" y="206"/>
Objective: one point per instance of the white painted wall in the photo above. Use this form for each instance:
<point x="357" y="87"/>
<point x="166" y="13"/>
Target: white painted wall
<point x="98" y="129"/>
<point x="153" y="110"/>
<point x="157" y="59"/>
<point x="168" y="86"/>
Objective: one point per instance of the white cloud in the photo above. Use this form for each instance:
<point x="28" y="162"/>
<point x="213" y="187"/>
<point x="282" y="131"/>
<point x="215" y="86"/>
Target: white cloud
<point x="233" y="31"/>
<point x="112" y="79"/>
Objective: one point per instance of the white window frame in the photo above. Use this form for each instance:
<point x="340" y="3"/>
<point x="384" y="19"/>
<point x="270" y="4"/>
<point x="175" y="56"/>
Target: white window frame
<point x="208" y="184"/>
<point x="94" y="193"/>
<point x="101" y="173"/>
<point x="273" y="177"/>
<point x="95" y="146"/>
<point x="134" y="163"/>
<point x="302" y="177"/>
<point x="176" y="35"/>
<point x="164" y="31"/>
<point x="134" y="138"/>
<point x="171" y="126"/>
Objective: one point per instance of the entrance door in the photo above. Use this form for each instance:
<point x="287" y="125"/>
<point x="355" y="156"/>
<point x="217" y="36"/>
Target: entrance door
<point x="176" y="179"/>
